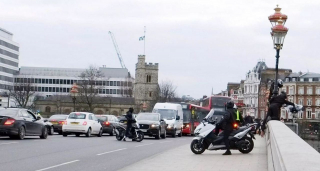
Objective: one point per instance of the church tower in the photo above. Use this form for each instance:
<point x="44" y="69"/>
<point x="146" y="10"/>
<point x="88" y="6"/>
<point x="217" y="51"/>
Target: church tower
<point x="146" y="86"/>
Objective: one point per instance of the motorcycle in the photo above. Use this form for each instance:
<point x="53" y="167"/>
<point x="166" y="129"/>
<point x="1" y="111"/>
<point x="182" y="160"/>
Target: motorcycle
<point x="135" y="133"/>
<point x="240" y="139"/>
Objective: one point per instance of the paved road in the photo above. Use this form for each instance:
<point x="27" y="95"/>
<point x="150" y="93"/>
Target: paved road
<point x="70" y="153"/>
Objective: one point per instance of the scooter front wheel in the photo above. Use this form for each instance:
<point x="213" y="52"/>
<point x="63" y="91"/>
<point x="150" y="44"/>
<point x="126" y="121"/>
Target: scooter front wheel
<point x="140" y="136"/>
<point x="120" y="135"/>
<point x="197" y="147"/>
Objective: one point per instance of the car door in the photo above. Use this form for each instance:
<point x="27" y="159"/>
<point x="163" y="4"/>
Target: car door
<point x="96" y="124"/>
<point x="28" y="122"/>
<point x="37" y="124"/>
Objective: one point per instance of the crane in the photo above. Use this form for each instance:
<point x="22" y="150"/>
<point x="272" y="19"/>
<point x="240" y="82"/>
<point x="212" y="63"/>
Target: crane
<point x="117" y="49"/>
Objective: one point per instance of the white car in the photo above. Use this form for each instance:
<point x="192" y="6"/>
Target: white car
<point x="82" y="123"/>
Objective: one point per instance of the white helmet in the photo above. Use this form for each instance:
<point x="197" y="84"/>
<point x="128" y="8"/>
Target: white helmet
<point x="235" y="106"/>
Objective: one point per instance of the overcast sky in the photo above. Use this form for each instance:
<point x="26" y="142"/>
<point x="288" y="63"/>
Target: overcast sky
<point x="199" y="45"/>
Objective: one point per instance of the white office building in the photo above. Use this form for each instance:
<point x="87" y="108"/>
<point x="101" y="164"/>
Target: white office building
<point x="9" y="60"/>
<point x="116" y="82"/>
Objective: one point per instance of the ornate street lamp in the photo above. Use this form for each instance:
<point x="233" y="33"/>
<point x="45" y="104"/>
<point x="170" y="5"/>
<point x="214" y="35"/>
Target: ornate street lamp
<point x="279" y="32"/>
<point x="74" y="93"/>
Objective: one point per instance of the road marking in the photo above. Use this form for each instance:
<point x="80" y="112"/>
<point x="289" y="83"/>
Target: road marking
<point x="58" y="165"/>
<point x="111" y="151"/>
<point x="143" y="145"/>
<point x="8" y="143"/>
<point x="165" y="142"/>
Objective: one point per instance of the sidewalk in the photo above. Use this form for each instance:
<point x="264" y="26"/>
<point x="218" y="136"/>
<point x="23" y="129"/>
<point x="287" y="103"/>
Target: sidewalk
<point x="182" y="158"/>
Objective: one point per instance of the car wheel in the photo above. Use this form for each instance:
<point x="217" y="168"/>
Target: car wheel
<point x="180" y="134"/>
<point x="44" y="134"/>
<point x="174" y="135"/>
<point x="77" y="134"/>
<point x="158" y="135"/>
<point x="100" y="133"/>
<point x="51" y="130"/>
<point x="164" y="134"/>
<point x="88" y="134"/>
<point x="113" y="132"/>
<point x="21" y="133"/>
<point x="65" y="134"/>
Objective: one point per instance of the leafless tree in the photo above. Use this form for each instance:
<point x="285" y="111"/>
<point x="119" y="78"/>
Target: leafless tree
<point x="167" y="91"/>
<point x="89" y="84"/>
<point x="22" y="92"/>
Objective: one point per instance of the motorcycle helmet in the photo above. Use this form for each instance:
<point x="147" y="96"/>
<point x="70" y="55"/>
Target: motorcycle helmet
<point x="230" y="104"/>
<point x="280" y="83"/>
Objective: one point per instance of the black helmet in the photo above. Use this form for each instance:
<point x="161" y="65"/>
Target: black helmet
<point x="280" y="83"/>
<point x="284" y="94"/>
<point x="230" y="105"/>
<point x="131" y="109"/>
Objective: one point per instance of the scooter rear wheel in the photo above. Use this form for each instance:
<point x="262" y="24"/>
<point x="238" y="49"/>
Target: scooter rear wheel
<point x="247" y="147"/>
<point x="196" y="147"/>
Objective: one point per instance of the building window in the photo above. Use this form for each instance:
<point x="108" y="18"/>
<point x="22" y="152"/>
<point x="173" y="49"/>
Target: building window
<point x="107" y="91"/>
<point x="318" y="102"/>
<point x="318" y="91"/>
<point x="48" y="109"/>
<point x="300" y="115"/>
<point x="309" y="91"/>
<point x="317" y="113"/>
<point x="293" y="79"/>
<point x="301" y="79"/>
<point x="310" y="79"/>
<point x="300" y="101"/>
<point x="309" y="102"/>
<point x="148" y="78"/>
<point x="309" y="115"/>
<point x="291" y="99"/>
<point x="114" y="91"/>
<point x="150" y="94"/>
<point x="301" y="90"/>
<point x="283" y="114"/>
<point x="111" y="83"/>
<point x="291" y="90"/>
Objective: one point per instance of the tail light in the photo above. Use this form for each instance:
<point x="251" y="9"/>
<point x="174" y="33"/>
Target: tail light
<point x="107" y="123"/>
<point x="9" y="122"/>
<point x="62" y="122"/>
<point x="235" y="125"/>
<point x="84" y="123"/>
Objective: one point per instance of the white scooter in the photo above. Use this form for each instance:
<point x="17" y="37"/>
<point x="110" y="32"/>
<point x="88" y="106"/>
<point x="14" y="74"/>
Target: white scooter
<point x="240" y="139"/>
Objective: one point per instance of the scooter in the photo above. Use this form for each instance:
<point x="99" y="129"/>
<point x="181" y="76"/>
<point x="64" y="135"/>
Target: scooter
<point x="135" y="133"/>
<point x="240" y="139"/>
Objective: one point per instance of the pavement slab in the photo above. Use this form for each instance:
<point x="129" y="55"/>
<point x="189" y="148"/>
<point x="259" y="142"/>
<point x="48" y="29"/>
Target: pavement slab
<point x="181" y="158"/>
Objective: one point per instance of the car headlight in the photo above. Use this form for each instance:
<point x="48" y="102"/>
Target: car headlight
<point x="170" y="126"/>
<point x="154" y="125"/>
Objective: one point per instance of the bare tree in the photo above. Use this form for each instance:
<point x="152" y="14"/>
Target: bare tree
<point x="89" y="85"/>
<point x="22" y="92"/>
<point x="167" y="91"/>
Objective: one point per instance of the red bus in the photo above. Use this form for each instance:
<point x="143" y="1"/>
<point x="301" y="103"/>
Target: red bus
<point x="192" y="116"/>
<point x="215" y="102"/>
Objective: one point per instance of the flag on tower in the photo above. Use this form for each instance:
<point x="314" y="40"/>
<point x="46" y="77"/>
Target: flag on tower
<point x="141" y="38"/>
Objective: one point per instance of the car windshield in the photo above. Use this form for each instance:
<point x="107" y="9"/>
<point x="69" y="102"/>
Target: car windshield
<point x="168" y="114"/>
<point x="186" y="115"/>
<point x="8" y="112"/>
<point x="77" y="116"/>
<point x="103" y="118"/>
<point x="219" y="102"/>
<point x="58" y="117"/>
<point x="148" y="117"/>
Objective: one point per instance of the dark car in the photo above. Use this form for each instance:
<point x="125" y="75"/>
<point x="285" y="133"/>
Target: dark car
<point x="49" y="125"/>
<point x="18" y="123"/>
<point x="108" y="123"/>
<point x="152" y="124"/>
<point x="57" y="121"/>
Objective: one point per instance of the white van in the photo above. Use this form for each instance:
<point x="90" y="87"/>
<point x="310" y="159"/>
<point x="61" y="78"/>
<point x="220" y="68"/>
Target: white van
<point x="172" y="114"/>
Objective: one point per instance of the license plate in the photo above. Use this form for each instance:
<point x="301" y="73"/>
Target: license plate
<point x="144" y="130"/>
<point x="54" y="123"/>
<point x="74" y="123"/>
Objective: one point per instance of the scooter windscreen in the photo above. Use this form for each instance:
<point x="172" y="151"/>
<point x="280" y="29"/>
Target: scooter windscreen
<point x="214" y="115"/>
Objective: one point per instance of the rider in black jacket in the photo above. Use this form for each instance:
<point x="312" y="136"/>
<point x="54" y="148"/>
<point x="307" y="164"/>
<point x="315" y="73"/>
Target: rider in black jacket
<point x="226" y="123"/>
<point x="276" y="103"/>
<point x="129" y="118"/>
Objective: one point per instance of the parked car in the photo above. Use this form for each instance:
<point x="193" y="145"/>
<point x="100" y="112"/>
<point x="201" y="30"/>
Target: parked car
<point x="49" y="125"/>
<point x="18" y="123"/>
<point x="57" y="122"/>
<point x="152" y="124"/>
<point x="81" y="123"/>
<point x="108" y="123"/>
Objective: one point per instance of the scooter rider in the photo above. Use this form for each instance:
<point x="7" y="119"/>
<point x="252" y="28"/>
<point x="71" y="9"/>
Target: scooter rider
<point x="226" y="123"/>
<point x="280" y="85"/>
<point x="129" y="123"/>
<point x="276" y="103"/>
